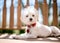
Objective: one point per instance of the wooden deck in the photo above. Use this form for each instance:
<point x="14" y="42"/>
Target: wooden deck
<point x="38" y="40"/>
<point x="4" y="39"/>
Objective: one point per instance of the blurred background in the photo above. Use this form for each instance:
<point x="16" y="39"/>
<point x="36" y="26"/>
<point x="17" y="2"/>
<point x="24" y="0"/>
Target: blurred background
<point x="31" y="3"/>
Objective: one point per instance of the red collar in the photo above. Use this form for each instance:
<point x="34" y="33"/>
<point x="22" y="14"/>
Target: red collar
<point x="32" y="25"/>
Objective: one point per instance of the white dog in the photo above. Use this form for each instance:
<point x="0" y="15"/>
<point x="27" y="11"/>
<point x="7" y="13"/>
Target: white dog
<point x="29" y="16"/>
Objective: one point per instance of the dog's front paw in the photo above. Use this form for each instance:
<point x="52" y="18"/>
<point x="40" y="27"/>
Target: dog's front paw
<point x="12" y="36"/>
<point x="26" y="36"/>
<point x="21" y="36"/>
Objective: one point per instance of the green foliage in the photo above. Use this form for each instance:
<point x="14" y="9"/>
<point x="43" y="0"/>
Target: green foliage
<point x="0" y="31"/>
<point x="12" y="31"/>
<point x="22" y="31"/>
<point x="6" y="31"/>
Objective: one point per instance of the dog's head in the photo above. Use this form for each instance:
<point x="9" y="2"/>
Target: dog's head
<point x="29" y="15"/>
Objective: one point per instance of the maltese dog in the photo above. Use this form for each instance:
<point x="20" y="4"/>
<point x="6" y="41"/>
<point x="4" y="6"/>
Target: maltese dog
<point x="29" y="16"/>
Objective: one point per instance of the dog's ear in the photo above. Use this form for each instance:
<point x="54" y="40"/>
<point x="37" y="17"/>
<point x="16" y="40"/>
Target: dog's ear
<point x="37" y="13"/>
<point x="22" y="14"/>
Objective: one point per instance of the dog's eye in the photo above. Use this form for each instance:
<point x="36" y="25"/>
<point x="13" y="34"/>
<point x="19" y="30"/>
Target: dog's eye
<point x="33" y="15"/>
<point x="26" y="15"/>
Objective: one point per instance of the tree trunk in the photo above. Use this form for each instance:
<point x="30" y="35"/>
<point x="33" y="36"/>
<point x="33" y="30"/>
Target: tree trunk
<point x="36" y="4"/>
<point x="4" y="15"/>
<point x="19" y="14"/>
<point x="11" y="15"/>
<point x="55" y="16"/>
<point x="45" y="12"/>
<point x="27" y="4"/>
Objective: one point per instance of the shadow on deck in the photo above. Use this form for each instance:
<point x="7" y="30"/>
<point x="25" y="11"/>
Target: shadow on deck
<point x="37" y="40"/>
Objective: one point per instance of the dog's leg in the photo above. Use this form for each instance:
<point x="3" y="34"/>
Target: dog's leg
<point x="55" y="31"/>
<point x="24" y="36"/>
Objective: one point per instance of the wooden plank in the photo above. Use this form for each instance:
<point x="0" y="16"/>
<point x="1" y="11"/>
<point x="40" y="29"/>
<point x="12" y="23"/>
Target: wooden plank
<point x="19" y="14"/>
<point x="11" y="15"/>
<point x="45" y="12"/>
<point x="55" y="15"/>
<point x="4" y="15"/>
<point x="36" y="4"/>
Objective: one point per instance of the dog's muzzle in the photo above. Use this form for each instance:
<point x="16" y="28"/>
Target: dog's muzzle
<point x="30" y="19"/>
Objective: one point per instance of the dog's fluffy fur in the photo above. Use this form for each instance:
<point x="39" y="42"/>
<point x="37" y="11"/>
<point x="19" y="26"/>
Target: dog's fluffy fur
<point x="39" y="29"/>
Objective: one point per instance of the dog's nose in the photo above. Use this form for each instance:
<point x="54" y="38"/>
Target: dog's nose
<point x="31" y="19"/>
